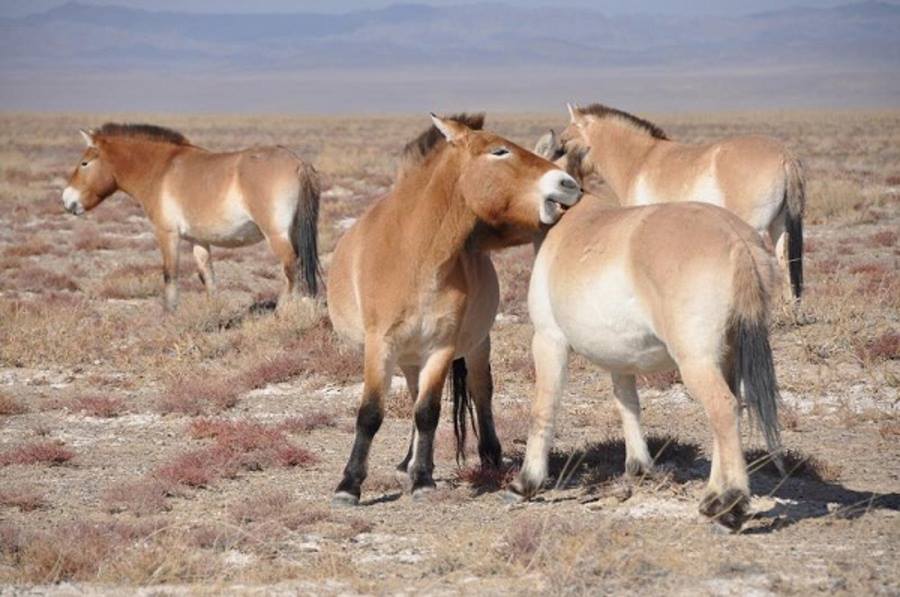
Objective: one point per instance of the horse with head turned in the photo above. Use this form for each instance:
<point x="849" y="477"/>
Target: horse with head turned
<point x="412" y="281"/>
<point x="231" y="199"/>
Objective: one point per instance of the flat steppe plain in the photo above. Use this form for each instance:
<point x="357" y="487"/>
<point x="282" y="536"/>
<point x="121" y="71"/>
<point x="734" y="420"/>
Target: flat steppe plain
<point x="197" y="452"/>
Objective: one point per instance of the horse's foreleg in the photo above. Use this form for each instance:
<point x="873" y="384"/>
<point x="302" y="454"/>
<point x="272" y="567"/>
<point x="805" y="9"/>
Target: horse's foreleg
<point x="728" y="493"/>
<point x="480" y="381"/>
<point x="203" y="257"/>
<point x="168" y="246"/>
<point x="637" y="457"/>
<point x="551" y="357"/>
<point x="376" y="384"/>
<point x="427" y="412"/>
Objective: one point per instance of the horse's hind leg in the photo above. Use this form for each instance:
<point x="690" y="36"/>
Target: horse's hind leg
<point x="728" y="494"/>
<point x="412" y="384"/>
<point x="427" y="412"/>
<point x="481" y="385"/>
<point x="637" y="457"/>
<point x="203" y="258"/>
<point x="284" y="251"/>
<point x="376" y="384"/>
<point x="551" y="356"/>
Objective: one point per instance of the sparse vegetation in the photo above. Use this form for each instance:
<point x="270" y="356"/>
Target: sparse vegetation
<point x="209" y="440"/>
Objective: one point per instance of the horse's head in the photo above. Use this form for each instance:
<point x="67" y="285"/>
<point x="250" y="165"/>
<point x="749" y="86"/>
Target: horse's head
<point x="92" y="181"/>
<point x="507" y="187"/>
<point x="551" y="147"/>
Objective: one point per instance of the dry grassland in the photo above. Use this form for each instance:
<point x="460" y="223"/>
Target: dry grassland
<point x="196" y="452"/>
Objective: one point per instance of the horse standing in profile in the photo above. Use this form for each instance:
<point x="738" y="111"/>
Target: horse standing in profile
<point x="412" y="281"/>
<point x="637" y="290"/>
<point x="755" y="177"/>
<point x="231" y="199"/>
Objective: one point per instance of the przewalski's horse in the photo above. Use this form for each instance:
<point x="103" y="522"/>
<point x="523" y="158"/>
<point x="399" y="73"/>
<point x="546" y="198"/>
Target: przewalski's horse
<point x="229" y="199"/>
<point x="755" y="177"/>
<point x="644" y="289"/>
<point x="413" y="284"/>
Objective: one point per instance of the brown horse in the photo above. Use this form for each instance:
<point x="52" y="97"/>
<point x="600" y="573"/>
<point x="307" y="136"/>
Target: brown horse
<point x="754" y="177"/>
<point x="230" y="199"/>
<point x="653" y="288"/>
<point x="412" y="282"/>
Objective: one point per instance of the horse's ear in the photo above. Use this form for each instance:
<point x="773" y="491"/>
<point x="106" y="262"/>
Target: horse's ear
<point x="88" y="136"/>
<point x="547" y="144"/>
<point x="451" y="129"/>
<point x="574" y="114"/>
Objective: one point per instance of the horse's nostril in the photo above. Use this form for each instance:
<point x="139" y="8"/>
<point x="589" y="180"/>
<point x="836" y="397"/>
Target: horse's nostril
<point x="568" y="183"/>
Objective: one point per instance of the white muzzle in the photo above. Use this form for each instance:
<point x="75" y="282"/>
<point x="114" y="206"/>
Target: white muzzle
<point x="72" y="201"/>
<point x="558" y="192"/>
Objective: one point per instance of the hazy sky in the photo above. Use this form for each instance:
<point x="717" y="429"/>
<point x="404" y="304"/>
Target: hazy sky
<point x="15" y="8"/>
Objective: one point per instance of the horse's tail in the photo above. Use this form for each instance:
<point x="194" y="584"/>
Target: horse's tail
<point x="461" y="405"/>
<point x="795" y="201"/>
<point x="305" y="232"/>
<point x="755" y="280"/>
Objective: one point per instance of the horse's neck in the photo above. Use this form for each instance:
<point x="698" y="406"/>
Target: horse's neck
<point x="618" y="152"/>
<point x="139" y="166"/>
<point x="439" y="221"/>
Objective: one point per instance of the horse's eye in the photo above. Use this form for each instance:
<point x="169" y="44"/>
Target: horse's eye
<point x="83" y="164"/>
<point x="500" y="152"/>
<point x="558" y="154"/>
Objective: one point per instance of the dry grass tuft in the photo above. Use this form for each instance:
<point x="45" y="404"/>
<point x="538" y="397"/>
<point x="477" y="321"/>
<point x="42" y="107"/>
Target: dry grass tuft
<point x="33" y="278"/>
<point x="662" y="380"/>
<point x="134" y="281"/>
<point x="140" y="498"/>
<point x="308" y="422"/>
<point x="99" y="406"/>
<point x="191" y="395"/>
<point x="486" y="478"/>
<point x="51" y="453"/>
<point x="885" y="347"/>
<point x="29" y="248"/>
<point x="10" y="406"/>
<point x="24" y="498"/>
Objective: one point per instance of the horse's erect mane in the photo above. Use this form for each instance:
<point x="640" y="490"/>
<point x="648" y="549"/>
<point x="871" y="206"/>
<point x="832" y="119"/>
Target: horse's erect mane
<point x="151" y="132"/>
<point x="601" y="111"/>
<point x="426" y="142"/>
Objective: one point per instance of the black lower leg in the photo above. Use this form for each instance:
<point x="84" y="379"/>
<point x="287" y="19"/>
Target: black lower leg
<point x="489" y="449"/>
<point x="404" y="464"/>
<point x="368" y="420"/>
<point x="427" y="416"/>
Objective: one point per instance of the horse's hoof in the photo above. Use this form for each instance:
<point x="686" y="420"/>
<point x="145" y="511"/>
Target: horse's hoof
<point x="342" y="499"/>
<point x="513" y="497"/>
<point x="730" y="509"/>
<point x="420" y="494"/>
<point x="635" y="469"/>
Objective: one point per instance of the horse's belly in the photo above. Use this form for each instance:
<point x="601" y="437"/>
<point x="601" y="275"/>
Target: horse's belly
<point x="230" y="234"/>
<point x="606" y="323"/>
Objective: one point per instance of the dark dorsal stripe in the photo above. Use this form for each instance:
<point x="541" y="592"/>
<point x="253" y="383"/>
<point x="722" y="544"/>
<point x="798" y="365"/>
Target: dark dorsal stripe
<point x="417" y="149"/>
<point x="601" y="111"/>
<point x="151" y="132"/>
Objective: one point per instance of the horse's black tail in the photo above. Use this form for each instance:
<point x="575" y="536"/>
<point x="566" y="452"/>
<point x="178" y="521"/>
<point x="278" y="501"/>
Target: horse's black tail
<point x="753" y="365"/>
<point x="305" y="231"/>
<point x="795" y="201"/>
<point x="461" y="405"/>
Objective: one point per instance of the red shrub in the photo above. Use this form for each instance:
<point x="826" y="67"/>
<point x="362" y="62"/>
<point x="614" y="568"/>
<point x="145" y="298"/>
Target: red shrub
<point x="308" y="422"/>
<point x="885" y="347"/>
<point x="885" y="238"/>
<point x="197" y="468"/>
<point x="25" y="499"/>
<point x="190" y="395"/>
<point x="99" y="406"/>
<point x="37" y="279"/>
<point x="52" y="453"/>
<point x="147" y="496"/>
<point x="11" y="406"/>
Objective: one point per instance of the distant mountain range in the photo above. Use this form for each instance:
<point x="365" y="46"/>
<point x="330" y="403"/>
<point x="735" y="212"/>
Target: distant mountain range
<point x="477" y="35"/>
<point x="57" y="59"/>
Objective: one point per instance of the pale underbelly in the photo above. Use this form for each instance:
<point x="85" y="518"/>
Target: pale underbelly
<point x="614" y="333"/>
<point x="231" y="234"/>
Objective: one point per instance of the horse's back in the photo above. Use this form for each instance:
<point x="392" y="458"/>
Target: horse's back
<point x="627" y="286"/>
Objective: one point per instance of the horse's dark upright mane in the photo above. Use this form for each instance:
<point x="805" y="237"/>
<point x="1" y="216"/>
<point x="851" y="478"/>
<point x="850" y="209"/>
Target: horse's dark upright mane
<point x="150" y="132"/>
<point x="417" y="149"/>
<point x="601" y="111"/>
